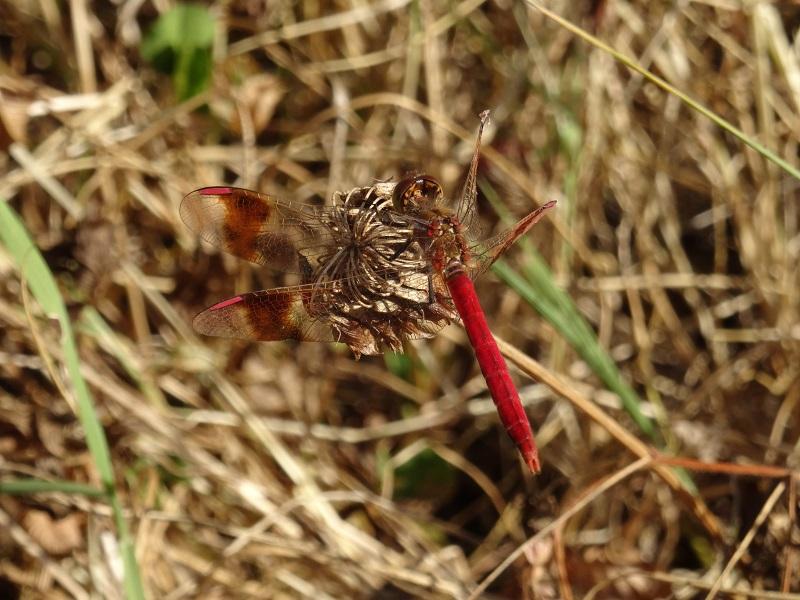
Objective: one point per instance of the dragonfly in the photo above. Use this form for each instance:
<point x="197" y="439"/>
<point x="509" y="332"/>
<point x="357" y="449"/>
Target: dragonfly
<point x="380" y="265"/>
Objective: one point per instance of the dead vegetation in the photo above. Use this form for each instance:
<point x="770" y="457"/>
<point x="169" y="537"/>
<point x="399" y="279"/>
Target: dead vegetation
<point x="289" y="470"/>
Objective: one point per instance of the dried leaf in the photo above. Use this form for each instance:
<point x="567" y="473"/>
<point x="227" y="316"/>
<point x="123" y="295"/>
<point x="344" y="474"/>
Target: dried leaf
<point x="57" y="537"/>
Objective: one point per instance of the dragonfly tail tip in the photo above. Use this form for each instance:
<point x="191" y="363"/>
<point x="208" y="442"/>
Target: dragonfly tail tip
<point x="532" y="460"/>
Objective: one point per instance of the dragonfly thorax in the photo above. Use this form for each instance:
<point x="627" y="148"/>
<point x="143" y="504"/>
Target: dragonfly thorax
<point x="444" y="240"/>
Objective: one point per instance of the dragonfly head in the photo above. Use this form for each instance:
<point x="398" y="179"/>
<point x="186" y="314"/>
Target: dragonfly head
<point x="416" y="192"/>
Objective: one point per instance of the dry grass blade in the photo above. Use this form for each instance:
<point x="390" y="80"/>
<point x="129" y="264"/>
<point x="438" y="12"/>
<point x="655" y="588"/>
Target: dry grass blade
<point x="689" y="584"/>
<point x="742" y="547"/>
<point x="533" y="369"/>
<point x="283" y="470"/>
<point x="39" y="278"/>
<point x="596" y="491"/>
<point x="741" y="135"/>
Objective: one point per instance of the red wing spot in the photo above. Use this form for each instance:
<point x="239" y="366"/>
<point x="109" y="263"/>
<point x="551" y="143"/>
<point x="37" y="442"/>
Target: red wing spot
<point x="225" y="303"/>
<point x="215" y="191"/>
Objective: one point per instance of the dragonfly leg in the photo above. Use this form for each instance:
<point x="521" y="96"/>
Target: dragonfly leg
<point x="399" y="252"/>
<point x="431" y="292"/>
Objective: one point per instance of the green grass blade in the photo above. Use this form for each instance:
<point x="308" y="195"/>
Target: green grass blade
<point x="37" y="486"/>
<point x="40" y="280"/>
<point x="42" y="284"/>
<point x="539" y="290"/>
<point x="92" y="323"/>
<point x="693" y="104"/>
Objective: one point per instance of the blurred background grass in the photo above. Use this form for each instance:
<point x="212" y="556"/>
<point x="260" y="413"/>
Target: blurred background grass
<point x="288" y="470"/>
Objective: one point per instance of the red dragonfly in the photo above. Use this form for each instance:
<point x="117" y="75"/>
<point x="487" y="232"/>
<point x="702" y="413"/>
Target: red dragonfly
<point x="383" y="264"/>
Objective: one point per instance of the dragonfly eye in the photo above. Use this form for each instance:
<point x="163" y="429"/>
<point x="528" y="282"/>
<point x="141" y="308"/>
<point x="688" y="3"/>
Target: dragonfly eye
<point x="415" y="192"/>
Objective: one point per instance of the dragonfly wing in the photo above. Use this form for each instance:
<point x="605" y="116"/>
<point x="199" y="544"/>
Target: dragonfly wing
<point x="485" y="253"/>
<point x="305" y="313"/>
<point x="469" y="195"/>
<point x="266" y="315"/>
<point x="257" y="227"/>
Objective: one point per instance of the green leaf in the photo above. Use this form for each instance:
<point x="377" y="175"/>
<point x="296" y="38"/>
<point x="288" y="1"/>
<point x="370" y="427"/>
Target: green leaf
<point x="180" y="44"/>
<point x="425" y="476"/>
